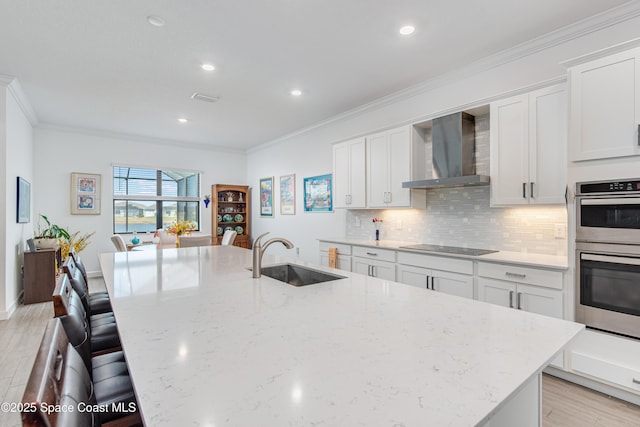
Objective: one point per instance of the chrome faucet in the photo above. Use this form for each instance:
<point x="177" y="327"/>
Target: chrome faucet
<point x="258" y="251"/>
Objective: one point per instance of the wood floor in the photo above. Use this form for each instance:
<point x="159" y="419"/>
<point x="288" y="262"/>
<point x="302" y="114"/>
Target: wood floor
<point x="564" y="404"/>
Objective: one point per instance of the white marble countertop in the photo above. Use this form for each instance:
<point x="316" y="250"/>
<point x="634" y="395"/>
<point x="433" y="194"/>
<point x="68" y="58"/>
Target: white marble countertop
<point x="208" y="345"/>
<point x="523" y="258"/>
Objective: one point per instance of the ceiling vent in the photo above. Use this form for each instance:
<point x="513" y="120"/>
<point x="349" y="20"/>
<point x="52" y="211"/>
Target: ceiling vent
<point x="202" y="97"/>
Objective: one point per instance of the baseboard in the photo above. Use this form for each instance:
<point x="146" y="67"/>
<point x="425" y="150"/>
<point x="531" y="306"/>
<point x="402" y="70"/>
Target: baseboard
<point x="594" y="385"/>
<point x="6" y="314"/>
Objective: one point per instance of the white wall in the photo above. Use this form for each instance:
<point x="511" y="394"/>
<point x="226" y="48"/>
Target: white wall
<point x="309" y="153"/>
<point x="59" y="152"/>
<point x="16" y="155"/>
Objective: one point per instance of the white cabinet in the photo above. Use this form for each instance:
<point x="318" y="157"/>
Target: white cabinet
<point x="608" y="358"/>
<point x="605" y="107"/>
<point x="374" y="262"/>
<point x="528" y="148"/>
<point x="449" y="275"/>
<point x="523" y="288"/>
<point x="343" y="261"/>
<point x="349" y="174"/>
<point x="393" y="157"/>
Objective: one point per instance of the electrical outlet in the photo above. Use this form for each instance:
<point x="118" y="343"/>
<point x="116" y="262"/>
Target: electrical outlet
<point x="297" y="251"/>
<point x="559" y="231"/>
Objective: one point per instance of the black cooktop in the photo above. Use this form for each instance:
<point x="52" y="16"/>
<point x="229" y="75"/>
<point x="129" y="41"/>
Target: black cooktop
<point x="449" y="249"/>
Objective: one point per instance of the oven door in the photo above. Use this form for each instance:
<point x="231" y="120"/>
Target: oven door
<point x="608" y="219"/>
<point x="608" y="288"/>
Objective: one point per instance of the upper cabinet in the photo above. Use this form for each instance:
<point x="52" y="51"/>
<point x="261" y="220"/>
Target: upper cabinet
<point x="393" y="157"/>
<point x="605" y="110"/>
<point x="369" y="172"/>
<point x="349" y="174"/>
<point x="528" y="148"/>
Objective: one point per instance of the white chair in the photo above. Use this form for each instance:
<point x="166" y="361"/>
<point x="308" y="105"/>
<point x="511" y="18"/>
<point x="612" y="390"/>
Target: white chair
<point x="196" y="240"/>
<point x="229" y="237"/>
<point x="164" y="237"/>
<point x="119" y="243"/>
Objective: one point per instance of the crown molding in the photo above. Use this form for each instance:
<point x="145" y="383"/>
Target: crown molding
<point x="592" y="24"/>
<point x="15" y="89"/>
<point x="139" y="138"/>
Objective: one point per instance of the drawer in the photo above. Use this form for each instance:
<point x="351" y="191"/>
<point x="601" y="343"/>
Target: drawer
<point x="606" y="370"/>
<point x="374" y="253"/>
<point x="342" y="263"/>
<point x="455" y="265"/>
<point x="515" y="273"/>
<point x="342" y="248"/>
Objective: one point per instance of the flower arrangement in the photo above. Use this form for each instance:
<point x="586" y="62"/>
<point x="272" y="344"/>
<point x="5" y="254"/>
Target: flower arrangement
<point x="377" y="221"/>
<point x="207" y="200"/>
<point x="179" y="228"/>
<point x="76" y="241"/>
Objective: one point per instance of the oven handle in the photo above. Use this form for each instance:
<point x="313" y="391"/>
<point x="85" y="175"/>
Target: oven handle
<point x="617" y="201"/>
<point x="611" y="259"/>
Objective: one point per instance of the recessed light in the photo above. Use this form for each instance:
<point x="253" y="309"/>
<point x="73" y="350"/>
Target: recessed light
<point x="155" y="20"/>
<point x="208" y="67"/>
<point x="296" y="92"/>
<point x="407" y="29"/>
<point x="182" y="120"/>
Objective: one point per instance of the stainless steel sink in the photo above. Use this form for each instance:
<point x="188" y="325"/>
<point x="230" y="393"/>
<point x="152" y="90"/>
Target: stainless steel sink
<point x="298" y="275"/>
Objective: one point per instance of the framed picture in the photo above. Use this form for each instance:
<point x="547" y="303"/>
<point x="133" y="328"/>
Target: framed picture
<point x="317" y="194"/>
<point x="23" y="206"/>
<point x="288" y="194"/>
<point x="85" y="194"/>
<point x="266" y="197"/>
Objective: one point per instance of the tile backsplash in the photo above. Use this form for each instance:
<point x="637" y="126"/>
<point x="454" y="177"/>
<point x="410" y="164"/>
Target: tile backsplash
<point x="462" y="217"/>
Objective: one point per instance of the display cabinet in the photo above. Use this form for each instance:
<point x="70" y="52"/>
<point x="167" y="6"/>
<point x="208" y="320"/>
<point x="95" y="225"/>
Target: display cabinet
<point x="231" y="211"/>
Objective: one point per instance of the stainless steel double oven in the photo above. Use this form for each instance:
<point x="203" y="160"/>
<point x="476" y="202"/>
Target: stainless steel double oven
<point x="608" y="256"/>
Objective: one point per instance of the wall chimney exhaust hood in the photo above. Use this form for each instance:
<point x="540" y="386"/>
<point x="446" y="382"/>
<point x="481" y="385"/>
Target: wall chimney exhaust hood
<point x="454" y="146"/>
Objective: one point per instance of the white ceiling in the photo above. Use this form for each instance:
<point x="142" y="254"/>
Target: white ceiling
<point x="100" y="65"/>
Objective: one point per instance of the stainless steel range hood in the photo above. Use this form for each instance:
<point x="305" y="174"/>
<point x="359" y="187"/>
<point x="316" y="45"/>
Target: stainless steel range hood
<point x="454" y="146"/>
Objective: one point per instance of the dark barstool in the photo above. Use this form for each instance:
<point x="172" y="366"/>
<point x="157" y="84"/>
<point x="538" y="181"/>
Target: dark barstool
<point x="96" y="303"/>
<point x="59" y="378"/>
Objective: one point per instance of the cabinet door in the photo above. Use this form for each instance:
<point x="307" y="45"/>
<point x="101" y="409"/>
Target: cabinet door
<point x="548" y="145"/>
<point x="341" y="175"/>
<point x="547" y="302"/>
<point x="604" y="107"/>
<point x="399" y="141"/>
<point x="414" y="276"/>
<point x="377" y="170"/>
<point x="349" y="178"/>
<point x="380" y="269"/>
<point x="509" y="123"/>
<point x="496" y="292"/>
<point x="453" y="283"/>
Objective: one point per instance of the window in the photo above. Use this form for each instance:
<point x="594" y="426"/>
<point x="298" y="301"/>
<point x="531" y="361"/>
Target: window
<point x="147" y="199"/>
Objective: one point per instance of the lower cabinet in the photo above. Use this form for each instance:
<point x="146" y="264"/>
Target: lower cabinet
<point x="343" y="261"/>
<point x="451" y="275"/>
<point x="608" y="358"/>
<point x="523" y="288"/>
<point x="374" y="262"/>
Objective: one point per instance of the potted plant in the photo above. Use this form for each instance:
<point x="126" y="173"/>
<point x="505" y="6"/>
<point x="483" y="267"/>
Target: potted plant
<point x="50" y="236"/>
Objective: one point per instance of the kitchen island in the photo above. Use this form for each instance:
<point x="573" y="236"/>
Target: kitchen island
<point x="208" y="345"/>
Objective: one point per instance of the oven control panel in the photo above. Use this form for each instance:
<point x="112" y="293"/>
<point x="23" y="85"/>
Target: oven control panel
<point x="628" y="186"/>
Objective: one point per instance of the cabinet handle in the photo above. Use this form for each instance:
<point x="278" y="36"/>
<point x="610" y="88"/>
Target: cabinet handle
<point x="519" y="275"/>
<point x="531" y="192"/>
<point x="389" y="197"/>
<point x="372" y="254"/>
<point x="368" y="270"/>
<point x="519" y="300"/>
<point x="638" y="134"/>
<point x="373" y="271"/>
<point x="510" y="299"/>
<point x="433" y="287"/>
<point x="524" y="190"/>
<point x="635" y="381"/>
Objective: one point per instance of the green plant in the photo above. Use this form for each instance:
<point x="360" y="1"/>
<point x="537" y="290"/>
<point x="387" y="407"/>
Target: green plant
<point x="52" y="231"/>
